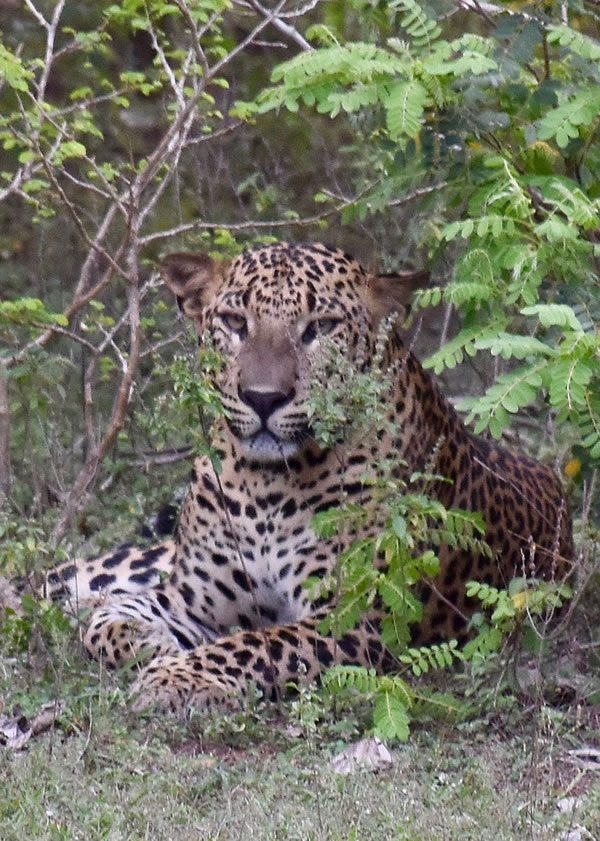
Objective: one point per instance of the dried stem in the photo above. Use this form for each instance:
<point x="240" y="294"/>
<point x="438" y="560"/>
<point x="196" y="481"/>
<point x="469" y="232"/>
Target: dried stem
<point x="5" y="471"/>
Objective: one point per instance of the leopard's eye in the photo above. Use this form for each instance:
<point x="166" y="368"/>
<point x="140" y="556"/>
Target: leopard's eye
<point x="319" y="327"/>
<point x="234" y="322"/>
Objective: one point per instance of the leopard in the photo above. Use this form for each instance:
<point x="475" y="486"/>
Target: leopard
<point x="223" y="605"/>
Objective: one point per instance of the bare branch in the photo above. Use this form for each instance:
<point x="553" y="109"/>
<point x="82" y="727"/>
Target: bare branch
<point x="164" y="457"/>
<point x="286" y="28"/>
<point x="488" y="10"/>
<point x="416" y="194"/>
<point x="51" y="28"/>
<point x="14" y="185"/>
<point x="5" y="470"/>
<point x="96" y="452"/>
<point x="37" y="15"/>
<point x="175" y="87"/>
<point x="126" y="205"/>
<point x="178" y="129"/>
<point x="205" y="138"/>
<point x="258" y="224"/>
<point x="183" y="8"/>
<point x="78" y="223"/>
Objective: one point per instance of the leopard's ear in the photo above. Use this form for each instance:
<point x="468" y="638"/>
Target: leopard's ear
<point x="192" y="278"/>
<point x="394" y="292"/>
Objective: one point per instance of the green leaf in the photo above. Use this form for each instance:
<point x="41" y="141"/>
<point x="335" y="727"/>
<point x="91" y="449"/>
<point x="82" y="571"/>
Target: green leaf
<point x="556" y="230"/>
<point x="390" y="717"/>
<point x="422" y="29"/>
<point x="69" y="149"/>
<point x="81" y="93"/>
<point x="565" y="121"/>
<point x="468" y="55"/>
<point x="510" y="346"/>
<point x="13" y="71"/>
<point x="405" y="107"/>
<point x="510" y="393"/>
<point x="578" y="42"/>
<point x="400" y="600"/>
<point x="34" y="185"/>
<point x="555" y="315"/>
<point x="351" y="677"/>
<point x="26" y="156"/>
<point x="452" y="353"/>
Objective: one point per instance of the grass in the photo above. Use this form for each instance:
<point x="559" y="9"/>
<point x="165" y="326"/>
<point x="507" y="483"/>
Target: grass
<point x="506" y="770"/>
<point x="105" y="773"/>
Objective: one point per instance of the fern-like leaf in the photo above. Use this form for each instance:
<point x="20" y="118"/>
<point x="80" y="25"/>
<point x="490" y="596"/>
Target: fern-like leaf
<point x="427" y="297"/>
<point x="390" y="717"/>
<point x="340" y="678"/>
<point x="357" y="97"/>
<point x="347" y="63"/>
<point x="453" y="352"/>
<point x="422" y="660"/>
<point x="589" y="425"/>
<point x="564" y="122"/>
<point x="486" y="594"/>
<point x="582" y="45"/>
<point x="569" y="381"/>
<point x="555" y="315"/>
<point x="353" y="603"/>
<point x="422" y="29"/>
<point x="405" y="107"/>
<point x="464" y="56"/>
<point x="400" y="600"/>
<point x="336" y="520"/>
<point x="487" y="641"/>
<point x="512" y="346"/>
<point x="564" y="196"/>
<point x="510" y="393"/>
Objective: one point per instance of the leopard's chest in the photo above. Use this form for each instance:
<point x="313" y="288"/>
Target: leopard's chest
<point x="247" y="560"/>
<point x="246" y="544"/>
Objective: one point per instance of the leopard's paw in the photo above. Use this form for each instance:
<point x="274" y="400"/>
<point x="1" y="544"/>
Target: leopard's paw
<point x="180" y="683"/>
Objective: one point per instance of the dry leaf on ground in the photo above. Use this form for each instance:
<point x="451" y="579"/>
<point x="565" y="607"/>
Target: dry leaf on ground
<point x="16" y="730"/>
<point x="369" y="753"/>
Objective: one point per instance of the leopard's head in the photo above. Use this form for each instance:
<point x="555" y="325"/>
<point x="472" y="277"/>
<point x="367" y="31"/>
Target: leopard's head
<point x="269" y="312"/>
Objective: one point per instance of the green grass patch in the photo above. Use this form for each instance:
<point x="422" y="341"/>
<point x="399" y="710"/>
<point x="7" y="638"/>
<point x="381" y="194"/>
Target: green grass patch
<point x="105" y="773"/>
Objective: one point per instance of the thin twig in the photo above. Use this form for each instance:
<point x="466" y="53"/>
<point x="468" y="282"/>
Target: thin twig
<point x="5" y="468"/>
<point x="416" y="194"/>
<point x="286" y="28"/>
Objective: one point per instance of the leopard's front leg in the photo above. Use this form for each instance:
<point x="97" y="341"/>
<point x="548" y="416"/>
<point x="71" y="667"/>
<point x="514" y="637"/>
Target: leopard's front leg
<point x="219" y="674"/>
<point x="141" y="627"/>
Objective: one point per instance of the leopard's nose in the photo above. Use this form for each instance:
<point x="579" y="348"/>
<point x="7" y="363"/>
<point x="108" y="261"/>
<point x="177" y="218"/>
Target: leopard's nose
<point x="265" y="403"/>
